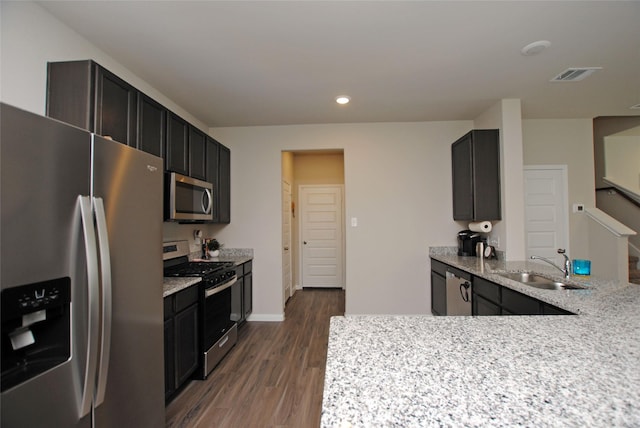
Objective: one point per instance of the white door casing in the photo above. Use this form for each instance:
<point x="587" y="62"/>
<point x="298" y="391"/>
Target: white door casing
<point x="546" y="211"/>
<point x="321" y="226"/>
<point x="287" y="289"/>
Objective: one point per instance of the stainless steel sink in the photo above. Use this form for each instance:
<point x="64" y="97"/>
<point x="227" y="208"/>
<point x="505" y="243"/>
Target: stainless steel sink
<point x="539" y="281"/>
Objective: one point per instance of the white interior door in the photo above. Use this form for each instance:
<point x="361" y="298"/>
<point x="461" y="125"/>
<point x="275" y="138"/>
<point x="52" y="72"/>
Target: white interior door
<point x="321" y="217"/>
<point x="287" y="289"/>
<point x="546" y="211"/>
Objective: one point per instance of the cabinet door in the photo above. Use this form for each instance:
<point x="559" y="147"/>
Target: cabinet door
<point x="116" y="108"/>
<point x="224" y="184"/>
<point x="487" y="289"/>
<point x="462" y="170"/>
<point x="482" y="306"/>
<point x="438" y="294"/>
<point x="248" y="295"/>
<point x="152" y="123"/>
<point x="486" y="175"/>
<point x="237" y="289"/>
<point x="169" y="358"/>
<point x="70" y="92"/>
<point x="197" y="159"/>
<point x="186" y="330"/>
<point x="213" y="156"/>
<point x="177" y="152"/>
<point x="520" y="304"/>
<point x="548" y="309"/>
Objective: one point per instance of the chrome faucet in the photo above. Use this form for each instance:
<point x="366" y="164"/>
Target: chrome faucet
<point x="567" y="263"/>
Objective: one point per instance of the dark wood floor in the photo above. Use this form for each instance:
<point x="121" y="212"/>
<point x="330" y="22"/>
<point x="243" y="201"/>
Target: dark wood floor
<point x="273" y="377"/>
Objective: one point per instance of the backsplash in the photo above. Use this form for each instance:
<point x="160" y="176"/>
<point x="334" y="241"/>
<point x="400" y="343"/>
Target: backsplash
<point x="226" y="252"/>
<point x="452" y="251"/>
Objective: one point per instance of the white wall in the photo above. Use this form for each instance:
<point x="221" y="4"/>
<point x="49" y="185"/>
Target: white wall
<point x="397" y="183"/>
<point x="622" y="161"/>
<point x="568" y="142"/>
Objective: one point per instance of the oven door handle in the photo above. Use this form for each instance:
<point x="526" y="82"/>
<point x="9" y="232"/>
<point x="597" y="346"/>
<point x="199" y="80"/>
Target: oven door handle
<point x="214" y="290"/>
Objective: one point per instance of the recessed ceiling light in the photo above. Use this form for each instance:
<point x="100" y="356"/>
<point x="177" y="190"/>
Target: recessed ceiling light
<point x="535" y="47"/>
<point x="343" y="99"/>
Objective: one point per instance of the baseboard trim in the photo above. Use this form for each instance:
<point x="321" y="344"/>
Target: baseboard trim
<point x="266" y="317"/>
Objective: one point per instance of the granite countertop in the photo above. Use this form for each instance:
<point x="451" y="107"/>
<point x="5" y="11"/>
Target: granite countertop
<point x="404" y="371"/>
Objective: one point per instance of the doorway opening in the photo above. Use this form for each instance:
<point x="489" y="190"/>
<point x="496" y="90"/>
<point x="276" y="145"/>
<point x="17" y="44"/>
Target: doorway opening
<point x="318" y="177"/>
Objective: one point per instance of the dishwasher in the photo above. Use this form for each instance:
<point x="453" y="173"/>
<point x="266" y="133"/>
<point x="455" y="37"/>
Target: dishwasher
<point x="458" y="294"/>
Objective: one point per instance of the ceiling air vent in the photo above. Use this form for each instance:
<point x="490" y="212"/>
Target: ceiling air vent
<point x="575" y="74"/>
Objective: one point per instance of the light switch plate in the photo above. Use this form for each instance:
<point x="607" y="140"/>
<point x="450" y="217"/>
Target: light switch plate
<point x="354" y="221"/>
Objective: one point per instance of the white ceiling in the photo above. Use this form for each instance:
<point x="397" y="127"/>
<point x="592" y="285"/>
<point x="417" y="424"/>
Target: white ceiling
<point x="240" y="63"/>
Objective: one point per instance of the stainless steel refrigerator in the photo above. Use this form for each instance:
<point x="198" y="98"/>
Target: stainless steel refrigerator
<point x="80" y="277"/>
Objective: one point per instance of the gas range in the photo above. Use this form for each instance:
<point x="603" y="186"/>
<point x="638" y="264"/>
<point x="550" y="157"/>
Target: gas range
<point x="218" y="330"/>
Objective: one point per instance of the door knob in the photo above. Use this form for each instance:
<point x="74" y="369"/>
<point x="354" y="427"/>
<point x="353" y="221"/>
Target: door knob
<point x="286" y="248"/>
<point x="304" y="242"/>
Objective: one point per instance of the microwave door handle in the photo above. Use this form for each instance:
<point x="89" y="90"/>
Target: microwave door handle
<point x="92" y="321"/>
<point x="206" y="205"/>
<point x="105" y="265"/>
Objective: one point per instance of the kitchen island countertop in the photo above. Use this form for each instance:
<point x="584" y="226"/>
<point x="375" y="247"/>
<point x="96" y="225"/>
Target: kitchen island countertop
<point x="415" y="371"/>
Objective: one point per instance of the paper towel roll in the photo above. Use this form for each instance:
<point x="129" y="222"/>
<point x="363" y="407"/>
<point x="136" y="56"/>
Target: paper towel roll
<point x="480" y="226"/>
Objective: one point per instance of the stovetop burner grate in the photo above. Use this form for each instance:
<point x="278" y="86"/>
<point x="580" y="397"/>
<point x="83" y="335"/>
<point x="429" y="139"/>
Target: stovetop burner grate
<point x="196" y="269"/>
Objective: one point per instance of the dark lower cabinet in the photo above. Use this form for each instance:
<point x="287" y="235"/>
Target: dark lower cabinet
<point x="242" y="293"/>
<point x="489" y="298"/>
<point x="482" y="306"/>
<point x="520" y="304"/>
<point x="438" y="294"/>
<point x="180" y="338"/>
<point x="247" y="286"/>
<point x="169" y="355"/>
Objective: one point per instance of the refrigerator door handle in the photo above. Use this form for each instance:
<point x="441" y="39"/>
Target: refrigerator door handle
<point x="89" y="235"/>
<point x="105" y="269"/>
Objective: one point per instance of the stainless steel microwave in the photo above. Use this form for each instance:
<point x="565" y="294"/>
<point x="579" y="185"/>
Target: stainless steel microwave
<point x="188" y="199"/>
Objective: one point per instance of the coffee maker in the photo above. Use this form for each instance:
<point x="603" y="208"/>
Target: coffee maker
<point x="467" y="241"/>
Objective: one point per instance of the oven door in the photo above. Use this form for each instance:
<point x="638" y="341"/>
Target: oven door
<point x="219" y="332"/>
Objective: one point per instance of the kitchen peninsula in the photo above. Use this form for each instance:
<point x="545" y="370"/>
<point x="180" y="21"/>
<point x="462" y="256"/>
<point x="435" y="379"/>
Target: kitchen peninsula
<point x="567" y="370"/>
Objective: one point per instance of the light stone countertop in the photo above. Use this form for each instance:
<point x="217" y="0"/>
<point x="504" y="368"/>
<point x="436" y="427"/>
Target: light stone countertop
<point x="573" y="371"/>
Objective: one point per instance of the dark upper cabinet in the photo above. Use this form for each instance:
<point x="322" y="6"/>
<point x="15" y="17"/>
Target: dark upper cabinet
<point x="197" y="158"/>
<point x="224" y="185"/>
<point x="177" y="153"/>
<point x="152" y="124"/>
<point x="475" y="159"/>
<point x="213" y="155"/>
<point x="86" y="95"/>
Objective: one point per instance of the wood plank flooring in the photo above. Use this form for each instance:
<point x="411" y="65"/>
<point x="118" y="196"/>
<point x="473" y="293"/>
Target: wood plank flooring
<point x="273" y="377"/>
